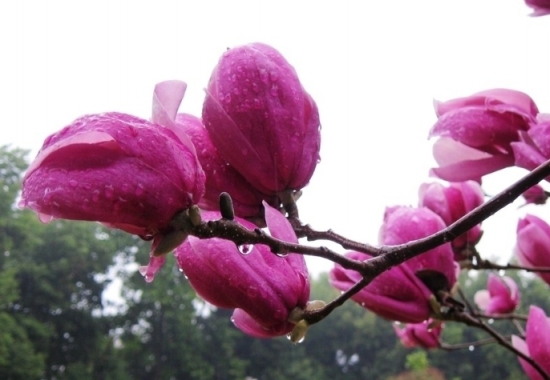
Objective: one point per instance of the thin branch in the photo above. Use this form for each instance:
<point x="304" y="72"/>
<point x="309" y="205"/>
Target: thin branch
<point x="486" y="264"/>
<point x="460" y="346"/>
<point x="232" y="230"/>
<point x="471" y="321"/>
<point x="395" y="255"/>
<point x="317" y="315"/>
<point x="329" y="235"/>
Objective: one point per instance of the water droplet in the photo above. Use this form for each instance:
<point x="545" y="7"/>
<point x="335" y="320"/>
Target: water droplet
<point x="471" y="348"/>
<point x="170" y="201"/>
<point x="45" y="218"/>
<point x="274" y="75"/>
<point x="87" y="186"/>
<point x="125" y="187"/>
<point x="73" y="182"/>
<point x="491" y="321"/>
<point x="139" y="190"/>
<point x="148" y="276"/>
<point x="264" y="76"/>
<point x="252" y="292"/>
<point x="282" y="254"/>
<point x="245" y="249"/>
<point x="95" y="196"/>
<point x="274" y="91"/>
<point x="109" y="191"/>
<point x="289" y="337"/>
<point x="280" y="315"/>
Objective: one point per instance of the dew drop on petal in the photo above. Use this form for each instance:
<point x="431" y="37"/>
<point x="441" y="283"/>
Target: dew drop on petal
<point x="282" y="254"/>
<point x="45" y="218"/>
<point x="252" y="292"/>
<point x="109" y="191"/>
<point x="73" y="182"/>
<point x="245" y="249"/>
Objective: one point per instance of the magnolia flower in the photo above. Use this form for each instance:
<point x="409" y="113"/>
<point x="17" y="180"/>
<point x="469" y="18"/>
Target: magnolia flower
<point x="475" y="132"/>
<point x="220" y="176"/>
<point x="261" y="286"/>
<point x="533" y="244"/>
<point x="501" y="296"/>
<point x="403" y="293"/>
<point x="540" y="7"/>
<point x="425" y="334"/>
<point x="452" y="203"/>
<point x="118" y="169"/>
<point x="534" y="147"/>
<point x="261" y="120"/>
<point x="535" y="195"/>
<point x="536" y="344"/>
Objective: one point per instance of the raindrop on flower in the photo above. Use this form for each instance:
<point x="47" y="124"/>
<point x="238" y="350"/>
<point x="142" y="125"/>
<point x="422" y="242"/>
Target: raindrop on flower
<point x="289" y="337"/>
<point x="245" y="249"/>
<point x="471" y="348"/>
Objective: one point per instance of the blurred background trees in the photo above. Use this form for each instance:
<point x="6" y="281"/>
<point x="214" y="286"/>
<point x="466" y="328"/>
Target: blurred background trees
<point x="56" y="322"/>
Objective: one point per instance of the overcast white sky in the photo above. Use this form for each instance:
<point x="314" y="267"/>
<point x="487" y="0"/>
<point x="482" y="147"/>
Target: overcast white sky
<point x="373" y="68"/>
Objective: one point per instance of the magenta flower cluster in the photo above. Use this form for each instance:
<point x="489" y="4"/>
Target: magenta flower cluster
<point x="403" y="293"/>
<point x="259" y="136"/>
<point x="486" y="132"/>
<point x="258" y="139"/>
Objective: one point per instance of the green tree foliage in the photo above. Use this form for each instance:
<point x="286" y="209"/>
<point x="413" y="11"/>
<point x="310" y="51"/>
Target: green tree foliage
<point x="51" y="299"/>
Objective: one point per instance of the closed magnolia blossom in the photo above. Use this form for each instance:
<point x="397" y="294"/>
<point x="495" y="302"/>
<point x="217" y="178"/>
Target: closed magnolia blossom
<point x="220" y="176"/>
<point x="475" y="133"/>
<point x="451" y="203"/>
<point x="261" y="286"/>
<point x="533" y="244"/>
<point x="117" y="169"/>
<point x="261" y="120"/>
<point x="536" y="344"/>
<point x="535" y="195"/>
<point x="403" y="293"/>
<point x="424" y="335"/>
<point x="534" y="147"/>
<point x="501" y="296"/>
<point x="540" y="7"/>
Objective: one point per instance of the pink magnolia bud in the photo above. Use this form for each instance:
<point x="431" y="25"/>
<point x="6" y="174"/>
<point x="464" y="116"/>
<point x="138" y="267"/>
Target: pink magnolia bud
<point x="262" y="286"/>
<point x="501" y="297"/>
<point x="119" y="170"/>
<point x="535" y="195"/>
<point x="452" y="203"/>
<point x="261" y="120"/>
<point x="220" y="176"/>
<point x="425" y="334"/>
<point x="403" y="292"/>
<point x="536" y="344"/>
<point x="476" y="132"/>
<point x="533" y="244"/>
<point x="540" y="7"/>
<point x="116" y="169"/>
<point x="534" y="147"/>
